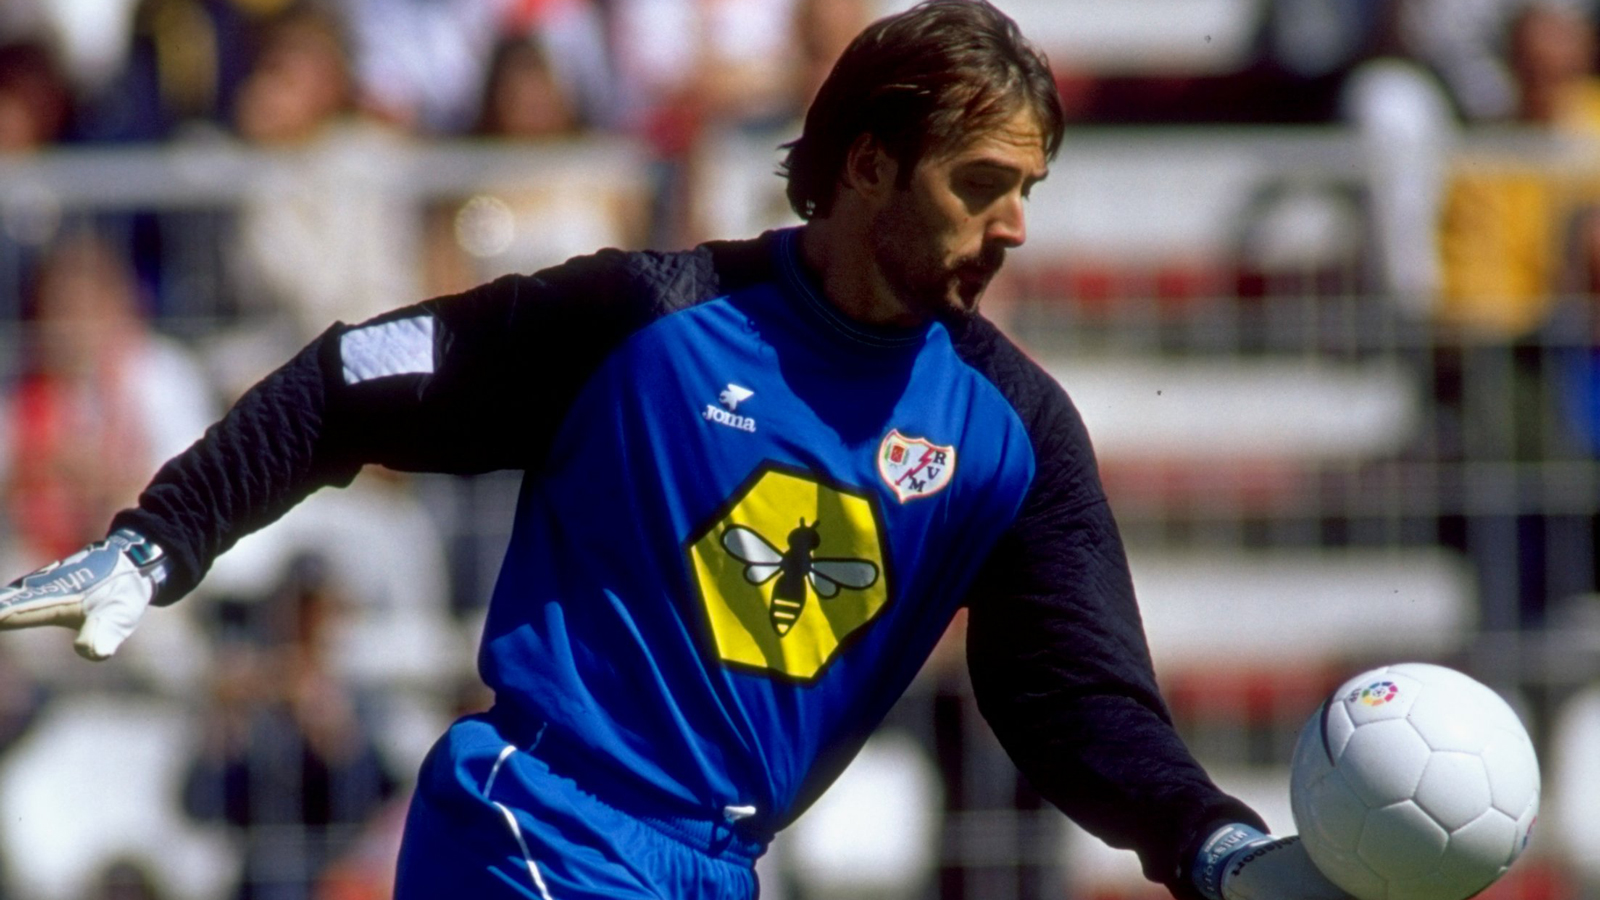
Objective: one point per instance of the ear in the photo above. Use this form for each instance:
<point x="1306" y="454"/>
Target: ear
<point x="869" y="170"/>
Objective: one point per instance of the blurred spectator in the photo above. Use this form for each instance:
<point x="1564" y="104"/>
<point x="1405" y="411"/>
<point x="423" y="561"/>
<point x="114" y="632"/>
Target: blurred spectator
<point x="687" y="68"/>
<point x="36" y="110"/>
<point x="36" y="102"/>
<point x="1552" y="58"/>
<point x="655" y="44"/>
<point x="287" y="759"/>
<point x="574" y="36"/>
<point x="490" y="234"/>
<point x="180" y="66"/>
<point x="732" y="79"/>
<point x="720" y="186"/>
<point x="321" y="234"/>
<point x="421" y="63"/>
<point x="1505" y="217"/>
<point x="394" y="639"/>
<point x="300" y="83"/>
<point x="367" y="870"/>
<point x="1511" y="238"/>
<point x="103" y="399"/>
<point x="523" y="98"/>
<point x="418" y="63"/>
<point x="180" y="42"/>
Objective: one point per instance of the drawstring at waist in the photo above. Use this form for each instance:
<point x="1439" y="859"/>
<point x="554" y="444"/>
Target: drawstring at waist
<point x="724" y="832"/>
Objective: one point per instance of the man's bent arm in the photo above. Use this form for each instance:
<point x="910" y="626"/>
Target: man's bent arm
<point x="1059" y="660"/>
<point x="1062" y="675"/>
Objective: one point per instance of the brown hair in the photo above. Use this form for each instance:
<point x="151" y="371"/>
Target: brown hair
<point x="919" y="82"/>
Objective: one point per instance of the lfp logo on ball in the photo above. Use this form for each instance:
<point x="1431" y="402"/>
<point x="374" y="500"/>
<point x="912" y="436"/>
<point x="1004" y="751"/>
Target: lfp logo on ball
<point x="1375" y="694"/>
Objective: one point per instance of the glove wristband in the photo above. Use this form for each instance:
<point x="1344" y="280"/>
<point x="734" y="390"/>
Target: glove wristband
<point x="1212" y="860"/>
<point x="146" y="555"/>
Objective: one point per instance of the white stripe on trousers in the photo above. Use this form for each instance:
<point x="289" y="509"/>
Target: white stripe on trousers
<point x="511" y="822"/>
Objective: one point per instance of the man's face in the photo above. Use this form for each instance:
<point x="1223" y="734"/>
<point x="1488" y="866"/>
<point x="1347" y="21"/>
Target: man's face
<point x="939" y="240"/>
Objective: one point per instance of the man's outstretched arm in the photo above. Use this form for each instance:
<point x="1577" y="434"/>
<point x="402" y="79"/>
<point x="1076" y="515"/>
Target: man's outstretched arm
<point x="464" y="384"/>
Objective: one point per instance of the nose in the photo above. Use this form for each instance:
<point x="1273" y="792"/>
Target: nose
<point x="1009" y="227"/>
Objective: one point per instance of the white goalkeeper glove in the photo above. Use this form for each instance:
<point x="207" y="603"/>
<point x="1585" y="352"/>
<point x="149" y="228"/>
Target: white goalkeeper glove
<point x="102" y="590"/>
<point x="1240" y="863"/>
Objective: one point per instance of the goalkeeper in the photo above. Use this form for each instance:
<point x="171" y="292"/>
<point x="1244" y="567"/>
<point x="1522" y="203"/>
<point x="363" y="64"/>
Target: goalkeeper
<point x="760" y="478"/>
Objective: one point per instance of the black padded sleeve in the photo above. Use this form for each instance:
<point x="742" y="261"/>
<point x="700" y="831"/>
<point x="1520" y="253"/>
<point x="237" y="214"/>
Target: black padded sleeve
<point x="508" y="359"/>
<point x="267" y="454"/>
<point x="1057" y="650"/>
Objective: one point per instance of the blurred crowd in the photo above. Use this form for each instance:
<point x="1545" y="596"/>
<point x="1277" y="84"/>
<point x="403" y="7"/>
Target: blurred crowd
<point x="295" y="74"/>
<point x="327" y="652"/>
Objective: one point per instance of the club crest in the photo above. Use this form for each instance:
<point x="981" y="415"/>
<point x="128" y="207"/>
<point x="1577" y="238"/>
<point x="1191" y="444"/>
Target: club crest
<point x="914" y="467"/>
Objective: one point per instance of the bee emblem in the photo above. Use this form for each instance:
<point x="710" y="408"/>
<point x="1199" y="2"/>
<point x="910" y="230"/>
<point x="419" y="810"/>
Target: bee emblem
<point x="781" y="598"/>
<point x="795" y="568"/>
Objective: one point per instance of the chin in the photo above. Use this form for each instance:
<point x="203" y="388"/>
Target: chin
<point x="949" y="301"/>
<point x="965" y="301"/>
<point x="957" y="307"/>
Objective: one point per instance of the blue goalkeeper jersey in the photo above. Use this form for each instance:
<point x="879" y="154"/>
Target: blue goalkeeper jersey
<point x="750" y="531"/>
<point x="746" y="520"/>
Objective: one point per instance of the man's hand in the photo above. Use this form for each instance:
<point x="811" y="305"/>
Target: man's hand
<point x="1240" y="863"/>
<point x="102" y="590"/>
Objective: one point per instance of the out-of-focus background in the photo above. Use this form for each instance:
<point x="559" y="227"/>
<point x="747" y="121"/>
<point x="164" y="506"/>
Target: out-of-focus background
<point x="1321" y="276"/>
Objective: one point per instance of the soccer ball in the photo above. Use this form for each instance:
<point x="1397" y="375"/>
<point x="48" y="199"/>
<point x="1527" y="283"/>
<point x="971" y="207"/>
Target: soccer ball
<point x="1414" y="782"/>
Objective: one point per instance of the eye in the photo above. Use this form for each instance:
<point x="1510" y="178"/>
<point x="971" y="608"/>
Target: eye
<point x="980" y="190"/>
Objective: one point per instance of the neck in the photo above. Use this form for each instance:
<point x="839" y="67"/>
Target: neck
<point x="838" y="251"/>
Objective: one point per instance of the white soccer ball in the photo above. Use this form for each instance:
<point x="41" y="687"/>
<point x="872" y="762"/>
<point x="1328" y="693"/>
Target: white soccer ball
<point x="1414" y="782"/>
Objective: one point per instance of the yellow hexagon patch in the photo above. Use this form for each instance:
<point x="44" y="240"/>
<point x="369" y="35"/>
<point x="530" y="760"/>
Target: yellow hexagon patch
<point x="789" y="571"/>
